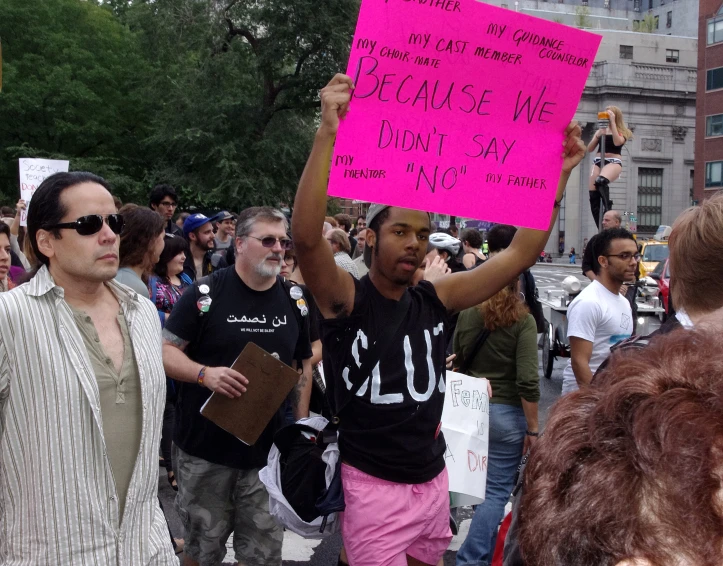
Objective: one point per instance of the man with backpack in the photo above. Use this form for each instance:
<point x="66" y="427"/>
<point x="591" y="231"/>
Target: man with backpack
<point x="219" y="491"/>
<point x="384" y="355"/>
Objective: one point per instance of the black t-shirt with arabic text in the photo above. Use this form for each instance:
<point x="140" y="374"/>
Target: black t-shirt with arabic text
<point x="237" y="315"/>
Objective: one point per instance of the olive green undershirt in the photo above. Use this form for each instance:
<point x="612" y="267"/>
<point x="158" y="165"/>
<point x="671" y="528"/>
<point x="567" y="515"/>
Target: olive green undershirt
<point x="121" y="405"/>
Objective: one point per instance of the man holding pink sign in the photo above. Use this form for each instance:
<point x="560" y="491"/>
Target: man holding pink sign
<point x="393" y="471"/>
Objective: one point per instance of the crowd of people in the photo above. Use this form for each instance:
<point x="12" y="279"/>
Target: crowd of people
<point x="119" y="323"/>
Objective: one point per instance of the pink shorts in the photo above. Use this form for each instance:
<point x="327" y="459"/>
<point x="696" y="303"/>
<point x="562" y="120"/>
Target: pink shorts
<point x="386" y="521"/>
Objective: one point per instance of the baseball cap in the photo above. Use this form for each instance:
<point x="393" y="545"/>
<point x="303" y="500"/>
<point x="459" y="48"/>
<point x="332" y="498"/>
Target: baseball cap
<point x="225" y="215"/>
<point x="373" y="211"/>
<point x="195" y="221"/>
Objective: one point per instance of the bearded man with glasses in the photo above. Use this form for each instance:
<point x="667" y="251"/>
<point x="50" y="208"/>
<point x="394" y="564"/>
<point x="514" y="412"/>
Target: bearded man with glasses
<point x="219" y="491"/>
<point x="600" y="317"/>
<point x="82" y="392"/>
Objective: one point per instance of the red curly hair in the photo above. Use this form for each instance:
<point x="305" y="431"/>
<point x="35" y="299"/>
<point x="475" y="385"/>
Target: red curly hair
<point x="632" y="466"/>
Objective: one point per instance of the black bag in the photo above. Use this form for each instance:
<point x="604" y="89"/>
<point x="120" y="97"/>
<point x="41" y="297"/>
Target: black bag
<point x="301" y="448"/>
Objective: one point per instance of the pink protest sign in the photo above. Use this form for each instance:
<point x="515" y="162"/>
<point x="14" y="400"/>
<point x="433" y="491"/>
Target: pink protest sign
<point x="459" y="108"/>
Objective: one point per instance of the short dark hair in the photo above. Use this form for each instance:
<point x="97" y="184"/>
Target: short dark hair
<point x="173" y="245"/>
<point x="472" y="236"/>
<point x="48" y="208"/>
<point x="500" y="237"/>
<point x="7" y="211"/>
<point x="604" y="240"/>
<point x="361" y="217"/>
<point x="159" y="192"/>
<point x="141" y="227"/>
<point x="4" y="229"/>
<point x="344" y="221"/>
<point x="629" y="467"/>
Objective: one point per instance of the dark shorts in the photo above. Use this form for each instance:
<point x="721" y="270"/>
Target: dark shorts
<point x="214" y="501"/>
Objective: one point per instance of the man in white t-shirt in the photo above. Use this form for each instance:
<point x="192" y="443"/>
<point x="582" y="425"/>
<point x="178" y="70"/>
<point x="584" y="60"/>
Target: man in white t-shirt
<point x="600" y="317"/>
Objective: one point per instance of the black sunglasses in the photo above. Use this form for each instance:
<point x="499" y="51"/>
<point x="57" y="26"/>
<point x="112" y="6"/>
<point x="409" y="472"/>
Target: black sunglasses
<point x="92" y="224"/>
<point x="270" y="242"/>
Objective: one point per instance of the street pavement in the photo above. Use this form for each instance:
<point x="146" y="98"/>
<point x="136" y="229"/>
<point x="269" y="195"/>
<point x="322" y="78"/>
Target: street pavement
<point x="301" y="552"/>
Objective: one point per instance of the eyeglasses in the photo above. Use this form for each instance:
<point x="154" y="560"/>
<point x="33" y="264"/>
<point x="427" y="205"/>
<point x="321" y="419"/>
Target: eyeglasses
<point x="270" y="242"/>
<point x="92" y="224"/>
<point x="625" y="256"/>
<point x="168" y="203"/>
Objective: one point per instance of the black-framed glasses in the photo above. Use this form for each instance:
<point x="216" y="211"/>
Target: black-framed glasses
<point x="270" y="242"/>
<point x="92" y="224"/>
<point x="168" y="203"/>
<point x="625" y="256"/>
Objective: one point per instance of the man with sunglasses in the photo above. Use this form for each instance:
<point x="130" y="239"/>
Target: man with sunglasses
<point x="164" y="200"/>
<point x="201" y="261"/>
<point x="82" y="393"/>
<point x="600" y="317"/>
<point x="219" y="491"/>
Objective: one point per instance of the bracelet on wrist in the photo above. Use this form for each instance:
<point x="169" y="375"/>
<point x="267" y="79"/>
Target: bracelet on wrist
<point x="528" y="433"/>
<point x="201" y="375"/>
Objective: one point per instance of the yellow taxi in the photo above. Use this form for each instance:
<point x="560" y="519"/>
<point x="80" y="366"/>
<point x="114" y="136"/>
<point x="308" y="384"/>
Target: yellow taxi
<point x="652" y="252"/>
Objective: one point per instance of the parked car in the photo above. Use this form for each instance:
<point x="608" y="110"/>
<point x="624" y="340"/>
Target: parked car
<point x="662" y="275"/>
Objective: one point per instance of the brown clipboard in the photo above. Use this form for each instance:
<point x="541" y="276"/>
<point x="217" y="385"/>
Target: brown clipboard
<point x="270" y="381"/>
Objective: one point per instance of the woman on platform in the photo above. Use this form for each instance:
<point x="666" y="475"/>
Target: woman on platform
<point x="603" y="174"/>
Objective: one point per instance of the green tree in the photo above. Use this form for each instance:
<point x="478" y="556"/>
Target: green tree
<point x="648" y="24"/>
<point x="74" y="87"/>
<point x="239" y="92"/>
<point x="582" y="17"/>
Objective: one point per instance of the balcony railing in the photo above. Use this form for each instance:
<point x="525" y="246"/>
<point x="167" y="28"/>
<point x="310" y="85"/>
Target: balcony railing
<point x="643" y="75"/>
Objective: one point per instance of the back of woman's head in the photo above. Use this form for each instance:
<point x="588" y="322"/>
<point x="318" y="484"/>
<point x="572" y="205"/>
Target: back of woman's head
<point x="142" y="226"/>
<point x="504" y="308"/>
<point x="631" y="467"/>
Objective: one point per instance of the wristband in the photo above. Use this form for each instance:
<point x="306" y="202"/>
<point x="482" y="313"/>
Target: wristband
<point x="201" y="375"/>
<point x="528" y="433"/>
<point x="558" y="203"/>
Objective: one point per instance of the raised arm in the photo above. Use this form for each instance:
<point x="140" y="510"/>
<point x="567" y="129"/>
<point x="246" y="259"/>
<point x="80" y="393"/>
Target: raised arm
<point x="595" y="141"/>
<point x="459" y="291"/>
<point x="332" y="287"/>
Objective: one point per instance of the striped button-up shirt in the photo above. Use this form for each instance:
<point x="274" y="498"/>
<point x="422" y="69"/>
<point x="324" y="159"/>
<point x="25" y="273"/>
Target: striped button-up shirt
<point x="58" y="500"/>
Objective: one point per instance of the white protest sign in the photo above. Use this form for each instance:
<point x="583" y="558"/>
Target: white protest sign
<point x="32" y="173"/>
<point x="465" y="424"/>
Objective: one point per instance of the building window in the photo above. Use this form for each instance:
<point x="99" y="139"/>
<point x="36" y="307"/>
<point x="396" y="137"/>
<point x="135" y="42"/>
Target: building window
<point x="672" y="55"/>
<point x="714" y="78"/>
<point x="636" y="25"/>
<point x="657" y="22"/>
<point x="715" y="30"/>
<point x="714" y="125"/>
<point x="650" y="199"/>
<point x="713" y="174"/>
<point x="650" y="4"/>
<point x="669" y="20"/>
<point x="626" y="51"/>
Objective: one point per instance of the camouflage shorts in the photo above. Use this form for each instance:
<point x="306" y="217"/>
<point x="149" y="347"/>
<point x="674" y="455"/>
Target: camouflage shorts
<point x="214" y="501"/>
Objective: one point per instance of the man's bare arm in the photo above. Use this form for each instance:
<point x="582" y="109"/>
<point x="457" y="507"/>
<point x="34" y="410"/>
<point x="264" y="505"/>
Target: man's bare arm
<point x="580" y="354"/>
<point x="462" y="290"/>
<point x="301" y="394"/>
<point x="332" y="287"/>
<point x="182" y="368"/>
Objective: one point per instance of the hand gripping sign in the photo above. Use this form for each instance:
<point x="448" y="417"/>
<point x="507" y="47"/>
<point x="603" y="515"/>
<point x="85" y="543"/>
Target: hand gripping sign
<point x="465" y="424"/>
<point x="459" y="108"/>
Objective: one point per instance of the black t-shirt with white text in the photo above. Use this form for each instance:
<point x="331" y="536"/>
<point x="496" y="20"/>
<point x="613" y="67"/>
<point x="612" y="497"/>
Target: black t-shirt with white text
<point x="391" y="429"/>
<point x="237" y="315"/>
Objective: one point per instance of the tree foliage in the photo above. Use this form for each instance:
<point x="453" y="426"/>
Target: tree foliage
<point x="218" y="98"/>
